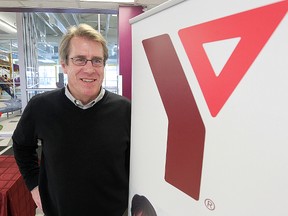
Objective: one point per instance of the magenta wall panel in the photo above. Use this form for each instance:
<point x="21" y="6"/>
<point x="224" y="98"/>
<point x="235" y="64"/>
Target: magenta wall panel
<point x="125" y="46"/>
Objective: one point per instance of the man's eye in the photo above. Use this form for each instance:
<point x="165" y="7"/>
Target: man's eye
<point x="97" y="61"/>
<point x="80" y="60"/>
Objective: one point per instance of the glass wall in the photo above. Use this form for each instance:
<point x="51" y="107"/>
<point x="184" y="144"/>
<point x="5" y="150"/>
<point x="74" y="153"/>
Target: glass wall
<point x="41" y="33"/>
<point x="9" y="69"/>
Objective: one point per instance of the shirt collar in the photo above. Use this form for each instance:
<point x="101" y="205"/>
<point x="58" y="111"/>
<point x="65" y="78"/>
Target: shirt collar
<point x="79" y="104"/>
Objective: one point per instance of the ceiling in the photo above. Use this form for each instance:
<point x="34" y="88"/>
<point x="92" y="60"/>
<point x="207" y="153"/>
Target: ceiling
<point x="52" y="17"/>
<point x="67" y="6"/>
<point x="79" y="4"/>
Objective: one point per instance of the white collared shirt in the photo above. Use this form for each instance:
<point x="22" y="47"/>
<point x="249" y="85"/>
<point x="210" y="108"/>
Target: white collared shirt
<point x="79" y="104"/>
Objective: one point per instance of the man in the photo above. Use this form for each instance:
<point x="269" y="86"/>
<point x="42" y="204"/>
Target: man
<point x="84" y="131"/>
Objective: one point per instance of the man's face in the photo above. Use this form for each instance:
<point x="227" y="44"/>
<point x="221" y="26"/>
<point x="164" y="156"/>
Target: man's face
<point x="84" y="82"/>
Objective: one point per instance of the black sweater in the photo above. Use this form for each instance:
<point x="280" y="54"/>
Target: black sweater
<point x="84" y="166"/>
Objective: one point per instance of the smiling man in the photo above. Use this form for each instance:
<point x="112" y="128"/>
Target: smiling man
<point x="84" y="131"/>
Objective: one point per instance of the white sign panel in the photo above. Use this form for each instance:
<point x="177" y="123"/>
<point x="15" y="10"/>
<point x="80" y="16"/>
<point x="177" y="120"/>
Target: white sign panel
<point x="209" y="109"/>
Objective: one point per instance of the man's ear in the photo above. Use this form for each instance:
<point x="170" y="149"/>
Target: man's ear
<point x="64" y="66"/>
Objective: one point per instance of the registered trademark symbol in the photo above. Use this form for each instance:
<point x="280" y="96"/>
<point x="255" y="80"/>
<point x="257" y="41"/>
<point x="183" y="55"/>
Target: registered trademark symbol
<point x="209" y="204"/>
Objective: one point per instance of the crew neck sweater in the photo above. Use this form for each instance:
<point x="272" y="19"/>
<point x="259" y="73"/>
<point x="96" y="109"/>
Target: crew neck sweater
<point x="84" y="166"/>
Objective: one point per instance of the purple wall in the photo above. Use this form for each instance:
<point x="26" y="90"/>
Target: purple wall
<point x="125" y="46"/>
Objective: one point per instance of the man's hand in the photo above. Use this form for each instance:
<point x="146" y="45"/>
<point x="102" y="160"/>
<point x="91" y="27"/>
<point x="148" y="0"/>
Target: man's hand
<point x="36" y="197"/>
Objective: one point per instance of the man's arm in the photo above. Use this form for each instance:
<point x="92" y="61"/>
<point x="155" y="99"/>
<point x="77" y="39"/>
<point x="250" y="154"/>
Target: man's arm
<point x="28" y="163"/>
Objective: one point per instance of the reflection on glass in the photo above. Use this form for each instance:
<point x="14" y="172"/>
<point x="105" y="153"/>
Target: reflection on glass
<point x="42" y="32"/>
<point x="9" y="70"/>
<point x="49" y="28"/>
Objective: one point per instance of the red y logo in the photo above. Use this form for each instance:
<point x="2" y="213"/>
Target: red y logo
<point x="186" y="131"/>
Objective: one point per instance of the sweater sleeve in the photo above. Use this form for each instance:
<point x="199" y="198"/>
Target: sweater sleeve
<point x="24" y="147"/>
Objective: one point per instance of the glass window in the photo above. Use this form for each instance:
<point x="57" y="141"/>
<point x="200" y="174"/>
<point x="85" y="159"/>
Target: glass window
<point x="42" y="33"/>
<point x="44" y="72"/>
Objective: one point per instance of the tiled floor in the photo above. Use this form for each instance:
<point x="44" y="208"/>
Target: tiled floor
<point x="8" y="125"/>
<point x="8" y="122"/>
<point x="39" y="212"/>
